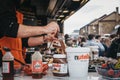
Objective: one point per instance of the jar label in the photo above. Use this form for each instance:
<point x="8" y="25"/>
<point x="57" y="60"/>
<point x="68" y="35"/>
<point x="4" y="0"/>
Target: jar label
<point x="6" y="67"/>
<point x="37" y="66"/>
<point x="59" y="68"/>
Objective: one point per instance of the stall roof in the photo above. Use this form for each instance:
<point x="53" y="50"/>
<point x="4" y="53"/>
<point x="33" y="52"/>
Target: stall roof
<point x="50" y="9"/>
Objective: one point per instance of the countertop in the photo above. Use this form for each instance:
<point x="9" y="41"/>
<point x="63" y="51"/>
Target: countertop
<point x="49" y="76"/>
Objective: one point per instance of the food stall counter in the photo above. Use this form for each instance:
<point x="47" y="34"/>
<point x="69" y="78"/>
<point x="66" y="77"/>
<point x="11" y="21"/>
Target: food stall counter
<point x="49" y="76"/>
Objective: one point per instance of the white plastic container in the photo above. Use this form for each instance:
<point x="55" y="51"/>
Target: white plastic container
<point x="94" y="52"/>
<point x="78" y="60"/>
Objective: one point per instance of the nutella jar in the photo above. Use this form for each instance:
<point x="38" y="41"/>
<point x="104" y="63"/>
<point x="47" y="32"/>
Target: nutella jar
<point x="59" y="65"/>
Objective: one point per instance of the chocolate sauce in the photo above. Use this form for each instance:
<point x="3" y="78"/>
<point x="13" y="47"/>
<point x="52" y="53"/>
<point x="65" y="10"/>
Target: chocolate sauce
<point x="60" y="65"/>
<point x="8" y="65"/>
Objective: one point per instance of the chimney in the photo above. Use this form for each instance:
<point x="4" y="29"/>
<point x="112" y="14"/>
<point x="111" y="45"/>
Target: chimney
<point x="117" y="15"/>
<point x="117" y="9"/>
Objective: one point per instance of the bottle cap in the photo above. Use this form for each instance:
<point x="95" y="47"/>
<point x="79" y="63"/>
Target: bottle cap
<point x="6" y="49"/>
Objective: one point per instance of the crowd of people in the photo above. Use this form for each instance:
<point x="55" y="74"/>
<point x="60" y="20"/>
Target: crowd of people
<point x="107" y="46"/>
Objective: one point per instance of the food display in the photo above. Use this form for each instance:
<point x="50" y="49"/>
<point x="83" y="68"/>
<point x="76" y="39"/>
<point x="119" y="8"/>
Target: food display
<point x="94" y="63"/>
<point x="110" y="69"/>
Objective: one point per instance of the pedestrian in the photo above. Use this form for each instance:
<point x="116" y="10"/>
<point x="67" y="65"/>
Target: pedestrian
<point x="115" y="46"/>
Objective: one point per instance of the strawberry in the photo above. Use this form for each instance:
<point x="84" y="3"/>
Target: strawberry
<point x="104" y="65"/>
<point x="111" y="72"/>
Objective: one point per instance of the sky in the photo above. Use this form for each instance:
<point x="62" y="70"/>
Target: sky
<point x="89" y="12"/>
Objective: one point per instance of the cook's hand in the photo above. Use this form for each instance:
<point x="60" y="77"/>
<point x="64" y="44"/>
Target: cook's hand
<point x="49" y="37"/>
<point x="52" y="28"/>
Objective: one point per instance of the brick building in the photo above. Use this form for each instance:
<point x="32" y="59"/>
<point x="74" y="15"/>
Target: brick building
<point x="102" y="25"/>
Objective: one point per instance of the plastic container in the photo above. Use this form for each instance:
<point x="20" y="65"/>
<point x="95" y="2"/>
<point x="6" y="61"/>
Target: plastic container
<point x="37" y="65"/>
<point x="94" y="52"/>
<point x="78" y="60"/>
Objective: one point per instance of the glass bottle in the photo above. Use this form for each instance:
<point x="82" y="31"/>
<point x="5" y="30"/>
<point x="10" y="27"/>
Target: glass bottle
<point x="8" y="65"/>
<point x="59" y="67"/>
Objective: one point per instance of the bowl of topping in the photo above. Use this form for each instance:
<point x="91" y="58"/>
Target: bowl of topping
<point x="109" y="70"/>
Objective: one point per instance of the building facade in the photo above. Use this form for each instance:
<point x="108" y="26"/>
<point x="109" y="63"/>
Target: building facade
<point x="102" y="25"/>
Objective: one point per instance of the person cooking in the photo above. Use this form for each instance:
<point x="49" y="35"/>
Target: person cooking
<point x="11" y="30"/>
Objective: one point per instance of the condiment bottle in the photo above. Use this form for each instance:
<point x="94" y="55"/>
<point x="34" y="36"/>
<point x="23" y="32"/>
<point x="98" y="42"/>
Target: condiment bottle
<point x="59" y="67"/>
<point x="37" y="64"/>
<point x="8" y="65"/>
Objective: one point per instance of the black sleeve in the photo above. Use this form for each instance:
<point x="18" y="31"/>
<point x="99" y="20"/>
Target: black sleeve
<point x="25" y="42"/>
<point x="8" y="27"/>
<point x="8" y="19"/>
<point x="112" y="50"/>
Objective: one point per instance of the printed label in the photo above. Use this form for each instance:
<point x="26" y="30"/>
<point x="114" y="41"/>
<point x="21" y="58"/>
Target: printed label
<point x="82" y="57"/>
<point x="37" y="66"/>
<point x="6" y="67"/>
<point x="59" y="68"/>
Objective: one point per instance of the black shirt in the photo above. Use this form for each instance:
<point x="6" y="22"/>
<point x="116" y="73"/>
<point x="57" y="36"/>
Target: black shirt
<point x="8" y="20"/>
<point x="114" y="48"/>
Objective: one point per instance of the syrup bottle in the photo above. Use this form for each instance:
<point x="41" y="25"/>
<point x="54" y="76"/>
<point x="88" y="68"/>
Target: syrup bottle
<point x="37" y="64"/>
<point x="8" y="65"/>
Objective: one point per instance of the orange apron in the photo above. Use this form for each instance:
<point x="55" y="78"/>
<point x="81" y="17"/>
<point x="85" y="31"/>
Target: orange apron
<point x="15" y="44"/>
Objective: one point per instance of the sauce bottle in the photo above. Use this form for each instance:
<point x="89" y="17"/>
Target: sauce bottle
<point x="37" y="64"/>
<point x="8" y="65"/>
